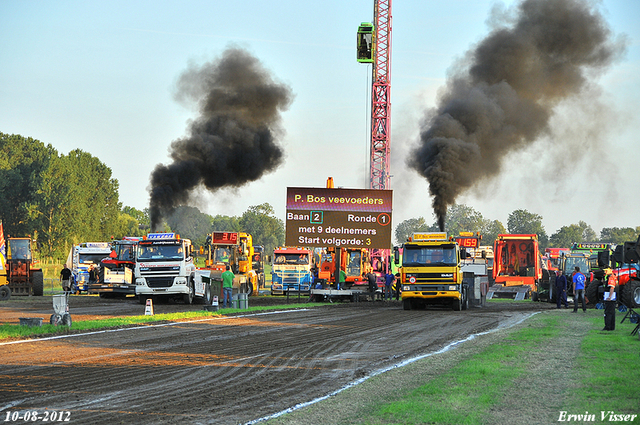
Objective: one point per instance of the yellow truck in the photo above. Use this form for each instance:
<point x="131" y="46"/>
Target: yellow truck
<point x="236" y="250"/>
<point x="431" y="272"/>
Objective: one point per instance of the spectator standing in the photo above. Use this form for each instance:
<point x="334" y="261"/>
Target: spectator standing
<point x="93" y="274"/>
<point x="579" y="281"/>
<point x="610" y="301"/>
<point x="389" y="279"/>
<point x="561" y="290"/>
<point x="227" y="286"/>
<point x="65" y="279"/>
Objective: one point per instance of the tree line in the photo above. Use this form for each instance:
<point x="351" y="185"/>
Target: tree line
<point x="62" y="200"/>
<point x="462" y="218"/>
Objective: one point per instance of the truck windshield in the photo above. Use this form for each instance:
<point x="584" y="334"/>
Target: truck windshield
<point x="353" y="264"/>
<point x="429" y="256"/>
<point x="20" y="249"/>
<point x="164" y="252"/>
<point x="92" y="258"/>
<point x="291" y="259"/>
<point x="126" y="252"/>
<point x="570" y="264"/>
<point x="221" y="255"/>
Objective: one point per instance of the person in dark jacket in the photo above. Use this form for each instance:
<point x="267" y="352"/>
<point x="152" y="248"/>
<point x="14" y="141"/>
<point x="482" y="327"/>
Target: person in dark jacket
<point x="65" y="279"/>
<point x="373" y="284"/>
<point x="561" y="290"/>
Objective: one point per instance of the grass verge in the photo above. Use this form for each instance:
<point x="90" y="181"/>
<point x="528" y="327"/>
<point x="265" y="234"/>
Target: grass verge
<point x="8" y="331"/>
<point x="553" y="362"/>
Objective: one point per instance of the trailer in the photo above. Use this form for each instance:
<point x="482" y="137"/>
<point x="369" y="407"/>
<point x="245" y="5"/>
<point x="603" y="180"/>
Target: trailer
<point x="330" y="294"/>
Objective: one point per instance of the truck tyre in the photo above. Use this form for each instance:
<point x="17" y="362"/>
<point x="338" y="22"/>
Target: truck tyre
<point x="188" y="298"/>
<point x="53" y="320"/>
<point x="465" y="299"/>
<point x="66" y="320"/>
<point x="142" y="299"/>
<point x="206" y="299"/>
<point x="631" y="294"/>
<point x="457" y="305"/>
<point x="591" y="293"/>
<point x="5" y="292"/>
<point x="37" y="283"/>
<point x="406" y="304"/>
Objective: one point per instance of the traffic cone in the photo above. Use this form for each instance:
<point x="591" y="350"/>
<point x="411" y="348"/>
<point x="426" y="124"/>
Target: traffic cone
<point x="148" y="310"/>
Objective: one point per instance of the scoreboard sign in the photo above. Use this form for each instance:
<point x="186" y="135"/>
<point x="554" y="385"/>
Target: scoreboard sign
<point x="467" y="242"/>
<point x="230" y="238"/>
<point x="352" y="218"/>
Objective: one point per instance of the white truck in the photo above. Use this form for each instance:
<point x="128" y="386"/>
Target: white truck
<point x="81" y="258"/>
<point x="165" y="268"/>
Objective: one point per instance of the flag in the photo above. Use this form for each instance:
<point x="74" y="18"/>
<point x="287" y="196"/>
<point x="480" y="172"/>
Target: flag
<point x="2" y="247"/>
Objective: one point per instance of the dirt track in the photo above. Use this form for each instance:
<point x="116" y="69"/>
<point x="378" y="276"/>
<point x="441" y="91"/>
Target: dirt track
<point x="221" y="370"/>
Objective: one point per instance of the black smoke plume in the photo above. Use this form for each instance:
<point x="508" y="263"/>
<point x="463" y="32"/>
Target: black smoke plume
<point x="501" y="98"/>
<point x="233" y="141"/>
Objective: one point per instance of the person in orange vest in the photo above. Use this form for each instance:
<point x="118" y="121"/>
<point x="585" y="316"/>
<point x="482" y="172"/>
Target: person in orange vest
<point x="610" y="301"/>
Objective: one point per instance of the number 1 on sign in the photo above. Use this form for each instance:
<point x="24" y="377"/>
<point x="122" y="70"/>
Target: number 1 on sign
<point x="384" y="219"/>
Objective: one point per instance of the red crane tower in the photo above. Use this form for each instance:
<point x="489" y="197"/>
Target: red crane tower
<point x="379" y="41"/>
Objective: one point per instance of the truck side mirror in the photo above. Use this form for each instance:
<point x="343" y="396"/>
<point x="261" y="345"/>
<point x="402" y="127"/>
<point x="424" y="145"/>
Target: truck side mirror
<point x="396" y="255"/>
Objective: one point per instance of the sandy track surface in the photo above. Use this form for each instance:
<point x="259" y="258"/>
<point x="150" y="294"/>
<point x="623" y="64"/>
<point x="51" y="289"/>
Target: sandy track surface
<point x="223" y="370"/>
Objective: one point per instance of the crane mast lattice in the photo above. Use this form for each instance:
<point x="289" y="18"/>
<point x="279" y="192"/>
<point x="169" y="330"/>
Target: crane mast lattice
<point x="381" y="98"/>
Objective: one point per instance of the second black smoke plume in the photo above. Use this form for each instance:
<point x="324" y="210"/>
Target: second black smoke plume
<point x="502" y="99"/>
<point x="233" y="141"/>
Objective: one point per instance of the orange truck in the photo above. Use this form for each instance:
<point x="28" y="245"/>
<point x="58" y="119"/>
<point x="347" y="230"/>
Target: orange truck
<point x="518" y="269"/>
<point x="354" y="262"/>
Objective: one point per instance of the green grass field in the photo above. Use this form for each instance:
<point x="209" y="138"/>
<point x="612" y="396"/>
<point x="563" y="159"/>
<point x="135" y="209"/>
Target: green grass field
<point x="554" y="362"/>
<point x="553" y="365"/>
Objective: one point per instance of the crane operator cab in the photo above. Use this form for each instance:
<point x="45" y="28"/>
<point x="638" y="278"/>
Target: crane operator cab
<point x="366" y="43"/>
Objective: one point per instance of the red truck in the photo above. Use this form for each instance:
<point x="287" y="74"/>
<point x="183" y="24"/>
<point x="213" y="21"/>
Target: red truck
<point x="518" y="270"/>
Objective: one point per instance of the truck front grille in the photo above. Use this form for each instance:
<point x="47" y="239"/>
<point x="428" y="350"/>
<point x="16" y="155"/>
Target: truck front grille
<point x="159" y="282"/>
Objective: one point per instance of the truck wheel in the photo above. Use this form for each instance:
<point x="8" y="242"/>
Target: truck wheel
<point x="142" y="299"/>
<point x="457" y="305"/>
<point x="631" y="294"/>
<point x="206" y="299"/>
<point x="188" y="298"/>
<point x="591" y="293"/>
<point x="5" y="293"/>
<point x="37" y="283"/>
<point x="406" y="304"/>
<point x="465" y="300"/>
<point x="53" y="319"/>
<point x="66" y="320"/>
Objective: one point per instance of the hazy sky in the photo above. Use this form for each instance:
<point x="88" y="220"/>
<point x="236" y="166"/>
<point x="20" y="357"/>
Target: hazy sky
<point x="101" y="76"/>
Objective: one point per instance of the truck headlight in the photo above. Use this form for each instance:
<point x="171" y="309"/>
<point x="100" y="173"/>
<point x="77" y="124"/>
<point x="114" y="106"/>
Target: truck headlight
<point x="453" y="288"/>
<point x="406" y="288"/>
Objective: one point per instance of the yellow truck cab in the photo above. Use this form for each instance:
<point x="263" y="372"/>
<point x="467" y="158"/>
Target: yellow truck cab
<point x="431" y="273"/>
